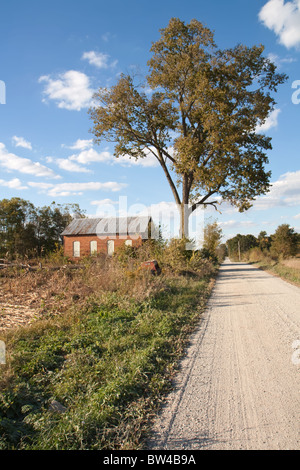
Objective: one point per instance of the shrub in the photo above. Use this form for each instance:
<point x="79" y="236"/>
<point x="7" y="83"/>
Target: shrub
<point x="203" y="266"/>
<point x="176" y="256"/>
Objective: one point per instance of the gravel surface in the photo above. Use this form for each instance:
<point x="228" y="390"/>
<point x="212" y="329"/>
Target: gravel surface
<point x="238" y="385"/>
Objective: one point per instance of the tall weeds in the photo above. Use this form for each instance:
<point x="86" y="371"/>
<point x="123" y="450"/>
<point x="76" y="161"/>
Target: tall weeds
<point x="106" y="346"/>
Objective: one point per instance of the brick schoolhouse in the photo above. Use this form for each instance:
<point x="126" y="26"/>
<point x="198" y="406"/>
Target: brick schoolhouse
<point x="90" y="236"/>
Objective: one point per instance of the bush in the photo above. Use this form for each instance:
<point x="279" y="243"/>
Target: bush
<point x="57" y="256"/>
<point x="175" y="256"/>
<point x="284" y="242"/>
<point x="255" y="255"/>
<point x="201" y="265"/>
<point x="182" y="261"/>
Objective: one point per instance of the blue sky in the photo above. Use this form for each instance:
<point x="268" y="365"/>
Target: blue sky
<point x="54" y="55"/>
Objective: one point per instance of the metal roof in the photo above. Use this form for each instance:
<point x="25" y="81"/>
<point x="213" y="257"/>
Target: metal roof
<point x="109" y="226"/>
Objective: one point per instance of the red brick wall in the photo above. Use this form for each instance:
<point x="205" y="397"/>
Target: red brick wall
<point x="101" y="244"/>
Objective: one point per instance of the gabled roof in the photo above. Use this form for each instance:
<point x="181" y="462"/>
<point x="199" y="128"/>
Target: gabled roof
<point x="109" y="226"/>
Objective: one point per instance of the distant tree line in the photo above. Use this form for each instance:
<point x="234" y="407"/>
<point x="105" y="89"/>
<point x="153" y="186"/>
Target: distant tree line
<point x="33" y="231"/>
<point x="284" y="243"/>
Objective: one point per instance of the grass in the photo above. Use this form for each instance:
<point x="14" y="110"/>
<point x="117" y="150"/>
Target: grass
<point x="286" y="272"/>
<point x="108" y="361"/>
<point x="287" y="269"/>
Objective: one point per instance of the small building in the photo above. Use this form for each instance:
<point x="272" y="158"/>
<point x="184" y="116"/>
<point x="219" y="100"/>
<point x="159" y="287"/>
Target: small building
<point x="90" y="236"/>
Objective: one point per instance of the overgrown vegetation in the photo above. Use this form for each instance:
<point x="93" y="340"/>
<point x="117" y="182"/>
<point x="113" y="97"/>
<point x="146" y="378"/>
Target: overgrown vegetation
<point x="105" y="347"/>
<point x="277" y="253"/>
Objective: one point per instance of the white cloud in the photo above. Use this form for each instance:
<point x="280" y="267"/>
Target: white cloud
<point x="284" y="192"/>
<point x="40" y="185"/>
<point x="236" y="223"/>
<point x="68" y="189"/>
<point x="91" y="155"/>
<point x="88" y="155"/>
<point x="12" y="162"/>
<point x="71" y="90"/>
<point x="80" y="144"/>
<point x="162" y="211"/>
<point x="279" y="61"/>
<point x="68" y="165"/>
<point x="271" y="121"/>
<point x="21" y="142"/>
<point x="284" y="19"/>
<point x="104" y="202"/>
<point x="99" y="59"/>
<point x="149" y="161"/>
<point x="15" y="183"/>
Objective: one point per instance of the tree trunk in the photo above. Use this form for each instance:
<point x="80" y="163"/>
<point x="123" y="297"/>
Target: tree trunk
<point x="184" y="221"/>
<point x="184" y="209"/>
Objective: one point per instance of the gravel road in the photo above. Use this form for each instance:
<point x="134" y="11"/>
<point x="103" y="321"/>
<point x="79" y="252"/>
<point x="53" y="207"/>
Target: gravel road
<point x="238" y="385"/>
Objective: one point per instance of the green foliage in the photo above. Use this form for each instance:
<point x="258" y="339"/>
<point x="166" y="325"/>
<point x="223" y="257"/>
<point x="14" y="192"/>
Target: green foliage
<point x="56" y="256"/>
<point x="177" y="259"/>
<point x="16" y="226"/>
<point x="264" y="241"/>
<point x="284" y="242"/>
<point x="176" y="255"/>
<point x="31" y="231"/>
<point x="108" y="364"/>
<point x="240" y="245"/>
<point x="276" y="253"/>
<point x="212" y="237"/>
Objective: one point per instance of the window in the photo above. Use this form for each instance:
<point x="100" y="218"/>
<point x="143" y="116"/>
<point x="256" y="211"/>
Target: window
<point x="76" y="249"/>
<point x="93" y="247"/>
<point x="128" y="243"/>
<point x="110" y="247"/>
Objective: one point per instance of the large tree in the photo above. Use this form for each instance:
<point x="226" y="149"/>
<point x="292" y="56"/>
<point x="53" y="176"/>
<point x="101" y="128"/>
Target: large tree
<point x="200" y="120"/>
